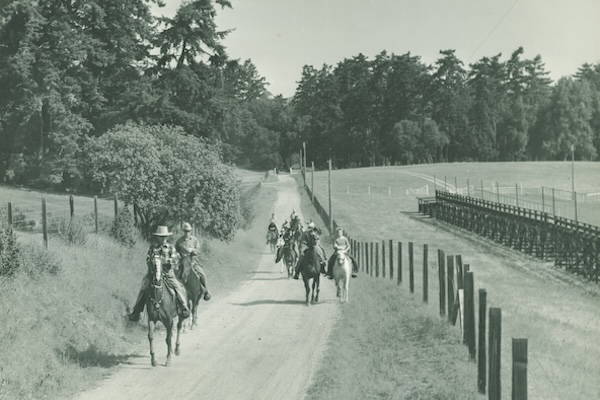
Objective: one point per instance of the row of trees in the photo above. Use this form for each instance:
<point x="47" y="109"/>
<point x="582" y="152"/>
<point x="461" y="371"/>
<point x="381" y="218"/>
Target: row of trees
<point x="70" y="71"/>
<point x="396" y="109"/>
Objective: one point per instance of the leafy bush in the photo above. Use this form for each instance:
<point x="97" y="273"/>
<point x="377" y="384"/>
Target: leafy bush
<point x="38" y="261"/>
<point x="11" y="253"/>
<point x="123" y="228"/>
<point x="71" y="231"/>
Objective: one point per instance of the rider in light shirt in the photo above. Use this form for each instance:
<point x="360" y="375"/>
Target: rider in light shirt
<point x="341" y="243"/>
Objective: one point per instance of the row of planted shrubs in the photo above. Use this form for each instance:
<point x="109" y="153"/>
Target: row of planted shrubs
<point x="14" y="258"/>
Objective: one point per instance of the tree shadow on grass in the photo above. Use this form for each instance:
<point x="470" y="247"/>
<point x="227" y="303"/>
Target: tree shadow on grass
<point x="92" y="357"/>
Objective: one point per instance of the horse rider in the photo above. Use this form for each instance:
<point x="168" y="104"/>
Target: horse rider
<point x="287" y="236"/>
<point x="171" y="258"/>
<point x="304" y="240"/>
<point x="272" y="229"/>
<point x="285" y="227"/>
<point x="189" y="246"/>
<point x="342" y="243"/>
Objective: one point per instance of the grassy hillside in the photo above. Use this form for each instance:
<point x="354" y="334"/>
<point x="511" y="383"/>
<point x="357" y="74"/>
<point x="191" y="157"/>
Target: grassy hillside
<point x="61" y="331"/>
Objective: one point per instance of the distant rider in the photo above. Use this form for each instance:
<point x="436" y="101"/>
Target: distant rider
<point x="162" y="248"/>
<point x="341" y="243"/>
<point x="189" y="246"/>
<point x="273" y="229"/>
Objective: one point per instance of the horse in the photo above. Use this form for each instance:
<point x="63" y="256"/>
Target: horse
<point x="311" y="270"/>
<point x="341" y="273"/>
<point x="290" y="257"/>
<point x="195" y="286"/>
<point x="161" y="306"/>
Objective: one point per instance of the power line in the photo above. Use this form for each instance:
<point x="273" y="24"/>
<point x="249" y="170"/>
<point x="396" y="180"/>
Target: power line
<point x="493" y="29"/>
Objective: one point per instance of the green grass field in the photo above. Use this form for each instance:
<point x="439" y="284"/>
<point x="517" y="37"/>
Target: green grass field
<point x="556" y="311"/>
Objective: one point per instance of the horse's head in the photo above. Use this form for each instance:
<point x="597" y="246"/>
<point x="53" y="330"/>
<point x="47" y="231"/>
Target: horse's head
<point x="341" y="256"/>
<point x="156" y="270"/>
<point x="312" y="239"/>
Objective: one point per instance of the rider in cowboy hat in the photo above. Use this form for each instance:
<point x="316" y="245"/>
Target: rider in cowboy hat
<point x="189" y="246"/>
<point x="304" y="240"/>
<point x="161" y="246"/>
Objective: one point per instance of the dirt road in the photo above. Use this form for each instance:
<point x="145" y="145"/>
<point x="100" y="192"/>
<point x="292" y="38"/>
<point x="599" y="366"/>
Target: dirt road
<point x="260" y="342"/>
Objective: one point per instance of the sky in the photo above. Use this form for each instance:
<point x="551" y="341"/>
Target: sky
<point x="282" y="36"/>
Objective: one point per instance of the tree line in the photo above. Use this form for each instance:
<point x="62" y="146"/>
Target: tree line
<point x="395" y="109"/>
<point x="72" y="71"/>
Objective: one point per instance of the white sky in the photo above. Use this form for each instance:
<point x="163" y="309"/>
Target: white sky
<point x="281" y="36"/>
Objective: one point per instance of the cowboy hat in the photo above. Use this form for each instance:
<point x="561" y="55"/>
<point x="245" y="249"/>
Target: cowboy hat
<point x="162" y="231"/>
<point x="186" y="227"/>
<point x="311" y="225"/>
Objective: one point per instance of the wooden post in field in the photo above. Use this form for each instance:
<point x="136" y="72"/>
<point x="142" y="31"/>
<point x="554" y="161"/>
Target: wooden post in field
<point x="481" y="362"/>
<point x="116" y="205"/>
<point x="376" y="259"/>
<point x="329" y="189"/>
<point x="553" y="203"/>
<point x="543" y="201"/>
<point x="517" y="193"/>
<point x="44" y="222"/>
<point x="10" y="217"/>
<point x="519" y="369"/>
<point x="575" y="205"/>
<point x="469" y="311"/>
<point x="371" y="256"/>
<point x="391" y="260"/>
<point x="312" y="182"/>
<point x="367" y="264"/>
<point x="383" y="258"/>
<point x="445" y="185"/>
<point x="399" y="263"/>
<point x="304" y="162"/>
<point x="460" y="277"/>
<point x="411" y="268"/>
<point x="495" y="339"/>
<point x="455" y="184"/>
<point x="434" y="184"/>
<point x="498" y="191"/>
<point x="442" y="281"/>
<point x="450" y="284"/>
<point x="96" y="213"/>
<point x="72" y="206"/>
<point x="363" y="256"/>
<point x="482" y="189"/>
<point x="425" y="275"/>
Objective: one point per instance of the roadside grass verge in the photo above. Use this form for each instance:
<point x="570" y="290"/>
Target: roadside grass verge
<point x="61" y="333"/>
<point x="387" y="345"/>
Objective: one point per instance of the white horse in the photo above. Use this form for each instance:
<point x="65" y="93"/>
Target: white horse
<point x="342" y="269"/>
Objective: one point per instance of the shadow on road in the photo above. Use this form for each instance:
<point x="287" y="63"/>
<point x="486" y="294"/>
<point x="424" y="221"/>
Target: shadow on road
<point x="262" y="302"/>
<point x="92" y="357"/>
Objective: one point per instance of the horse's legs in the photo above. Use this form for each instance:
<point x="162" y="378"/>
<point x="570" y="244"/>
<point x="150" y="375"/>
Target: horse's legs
<point x="179" y="325"/>
<point x="347" y="286"/>
<point x="169" y="329"/>
<point x="150" y="338"/>
<point x="317" y="281"/>
<point x="307" y="288"/>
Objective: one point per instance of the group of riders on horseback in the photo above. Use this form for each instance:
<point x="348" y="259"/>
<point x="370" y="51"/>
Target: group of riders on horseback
<point x="177" y="262"/>
<point x="294" y="238"/>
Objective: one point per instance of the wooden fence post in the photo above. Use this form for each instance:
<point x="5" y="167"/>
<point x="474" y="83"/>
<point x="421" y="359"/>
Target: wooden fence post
<point x="519" y="369"/>
<point x="96" y="213"/>
<point x="377" y="259"/>
<point x="44" y="222"/>
<point x="425" y="275"/>
<point x="330" y="225"/>
<point x="495" y="339"/>
<point x="470" y="315"/>
<point x="460" y="276"/>
<point x="116" y="205"/>
<point x="312" y="182"/>
<point x="481" y="362"/>
<point x="411" y="267"/>
<point x="450" y="284"/>
<point x="10" y="215"/>
<point x="399" y="263"/>
<point x="391" y="260"/>
<point x="383" y="258"/>
<point x="442" y="281"/>
<point x="72" y="206"/>
<point x="371" y="257"/>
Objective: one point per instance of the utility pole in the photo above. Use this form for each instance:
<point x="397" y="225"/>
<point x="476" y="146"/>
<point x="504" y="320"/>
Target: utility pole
<point x="304" y="161"/>
<point x="573" y="170"/>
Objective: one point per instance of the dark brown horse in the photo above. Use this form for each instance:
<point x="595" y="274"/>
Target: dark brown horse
<point x="290" y="257"/>
<point x="161" y="306"/>
<point x="195" y="287"/>
<point x="311" y="270"/>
